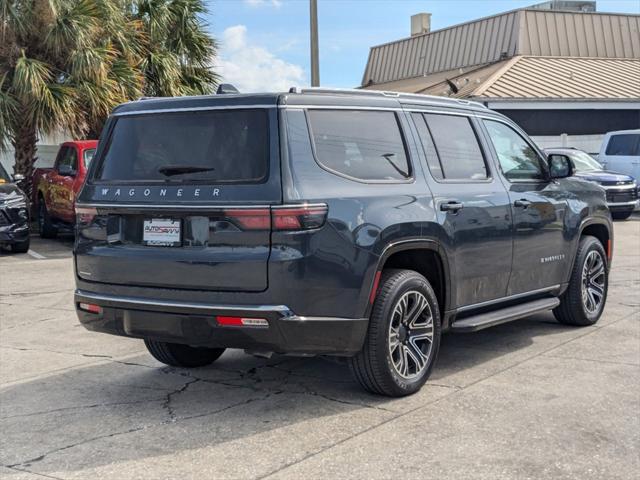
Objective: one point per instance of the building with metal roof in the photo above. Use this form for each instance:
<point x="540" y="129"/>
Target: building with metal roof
<point x="566" y="73"/>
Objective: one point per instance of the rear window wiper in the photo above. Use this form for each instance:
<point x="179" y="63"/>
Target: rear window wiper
<point x="170" y="170"/>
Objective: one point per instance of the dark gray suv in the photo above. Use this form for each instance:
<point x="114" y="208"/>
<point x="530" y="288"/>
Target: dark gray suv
<point x="349" y="223"/>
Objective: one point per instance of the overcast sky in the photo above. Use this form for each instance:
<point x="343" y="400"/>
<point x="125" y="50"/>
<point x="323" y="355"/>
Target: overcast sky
<point x="264" y="44"/>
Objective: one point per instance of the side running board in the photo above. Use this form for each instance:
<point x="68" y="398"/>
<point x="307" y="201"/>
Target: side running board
<point x="504" y="315"/>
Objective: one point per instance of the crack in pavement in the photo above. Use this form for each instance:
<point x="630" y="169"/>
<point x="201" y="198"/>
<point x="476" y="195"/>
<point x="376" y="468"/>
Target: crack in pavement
<point x="29" y="462"/>
<point x="167" y="403"/>
<point x="33" y="294"/>
<point x="250" y="374"/>
<point x="82" y="407"/>
<point x="254" y="377"/>
<point x="43" y="475"/>
<point x="437" y="400"/>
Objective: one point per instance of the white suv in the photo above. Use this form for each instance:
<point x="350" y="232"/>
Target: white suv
<point x="620" y="152"/>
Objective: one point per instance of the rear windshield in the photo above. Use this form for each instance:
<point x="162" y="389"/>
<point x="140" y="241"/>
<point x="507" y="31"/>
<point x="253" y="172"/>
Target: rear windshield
<point x="627" y="144"/>
<point x="230" y="146"/>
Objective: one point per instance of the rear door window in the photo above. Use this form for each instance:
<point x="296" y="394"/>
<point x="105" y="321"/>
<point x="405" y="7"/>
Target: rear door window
<point x="457" y="147"/>
<point x="221" y="146"/>
<point x="451" y="147"/>
<point x="363" y="145"/>
<point x="624" y="145"/>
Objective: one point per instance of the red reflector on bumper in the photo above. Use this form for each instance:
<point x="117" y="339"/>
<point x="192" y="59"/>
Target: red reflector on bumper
<point x="90" y="307"/>
<point x="242" y="321"/>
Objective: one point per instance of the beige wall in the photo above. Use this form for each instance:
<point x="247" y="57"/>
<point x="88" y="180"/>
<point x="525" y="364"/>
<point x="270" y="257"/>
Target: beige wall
<point x="47" y="150"/>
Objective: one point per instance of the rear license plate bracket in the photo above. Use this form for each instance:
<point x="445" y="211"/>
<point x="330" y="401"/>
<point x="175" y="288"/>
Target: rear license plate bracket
<point x="162" y="232"/>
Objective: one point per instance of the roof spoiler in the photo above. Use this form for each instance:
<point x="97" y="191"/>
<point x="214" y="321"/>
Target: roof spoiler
<point x="226" y="88"/>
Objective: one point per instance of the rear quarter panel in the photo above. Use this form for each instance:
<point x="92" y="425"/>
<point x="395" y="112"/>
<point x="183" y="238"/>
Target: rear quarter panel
<point x="332" y="269"/>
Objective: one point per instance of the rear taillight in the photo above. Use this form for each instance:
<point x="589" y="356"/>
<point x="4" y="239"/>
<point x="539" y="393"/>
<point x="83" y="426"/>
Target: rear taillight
<point x="303" y="217"/>
<point x="250" y="219"/>
<point x="286" y="217"/>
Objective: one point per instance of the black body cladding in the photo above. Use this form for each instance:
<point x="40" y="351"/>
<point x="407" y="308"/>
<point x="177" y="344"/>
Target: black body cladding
<point x="485" y="233"/>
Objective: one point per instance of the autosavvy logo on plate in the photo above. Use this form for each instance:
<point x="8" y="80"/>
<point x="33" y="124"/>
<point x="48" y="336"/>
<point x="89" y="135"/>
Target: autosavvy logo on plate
<point x="161" y="229"/>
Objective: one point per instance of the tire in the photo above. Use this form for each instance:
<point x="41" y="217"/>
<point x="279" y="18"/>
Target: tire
<point x="21" y="247"/>
<point x="45" y="227"/>
<point x="178" y="355"/>
<point x="380" y="366"/>
<point x="575" y="307"/>
<point x="621" y="215"/>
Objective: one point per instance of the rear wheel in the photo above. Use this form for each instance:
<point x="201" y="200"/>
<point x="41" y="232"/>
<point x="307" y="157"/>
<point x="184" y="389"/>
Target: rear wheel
<point x="20" y="247"/>
<point x="178" y="355"/>
<point x="583" y="301"/>
<point x="623" y="215"/>
<point x="403" y="337"/>
<point x="45" y="227"/>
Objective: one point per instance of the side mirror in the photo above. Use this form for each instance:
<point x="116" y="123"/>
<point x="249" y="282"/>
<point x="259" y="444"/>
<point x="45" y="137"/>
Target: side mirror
<point x="66" y="171"/>
<point x="18" y="177"/>
<point x="559" y="166"/>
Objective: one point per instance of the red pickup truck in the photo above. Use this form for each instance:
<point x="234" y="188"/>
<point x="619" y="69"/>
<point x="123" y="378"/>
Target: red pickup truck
<point x="55" y="189"/>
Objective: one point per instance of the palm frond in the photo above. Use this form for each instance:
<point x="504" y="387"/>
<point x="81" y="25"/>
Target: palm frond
<point x="91" y="63"/>
<point x="8" y="113"/>
<point x="75" y="25"/>
<point x="57" y="110"/>
<point x="30" y="78"/>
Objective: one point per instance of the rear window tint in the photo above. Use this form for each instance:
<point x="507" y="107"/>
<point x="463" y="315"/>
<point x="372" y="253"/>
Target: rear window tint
<point x="229" y="146"/>
<point x="365" y="145"/>
<point x="627" y="144"/>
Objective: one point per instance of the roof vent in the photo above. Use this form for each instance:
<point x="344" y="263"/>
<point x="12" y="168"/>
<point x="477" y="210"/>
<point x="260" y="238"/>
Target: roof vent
<point x="420" y="23"/>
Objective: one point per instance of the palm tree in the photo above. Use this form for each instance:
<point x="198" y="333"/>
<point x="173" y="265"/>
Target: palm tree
<point x="64" y="64"/>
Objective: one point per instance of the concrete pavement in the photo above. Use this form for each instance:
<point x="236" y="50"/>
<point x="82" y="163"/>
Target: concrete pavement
<point x="530" y="399"/>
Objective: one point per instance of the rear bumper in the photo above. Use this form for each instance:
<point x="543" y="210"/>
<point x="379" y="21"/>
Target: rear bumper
<point x="195" y="324"/>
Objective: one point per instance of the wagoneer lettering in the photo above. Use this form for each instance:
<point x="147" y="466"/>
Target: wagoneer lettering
<point x="355" y="224"/>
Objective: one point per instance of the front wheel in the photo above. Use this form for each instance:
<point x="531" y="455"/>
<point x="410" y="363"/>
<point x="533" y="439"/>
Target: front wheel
<point x="179" y="355"/>
<point x="583" y="301"/>
<point x="403" y="338"/>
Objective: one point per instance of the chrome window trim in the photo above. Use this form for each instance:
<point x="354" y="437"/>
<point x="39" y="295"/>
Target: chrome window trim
<point x="168" y="206"/>
<point x="338" y="107"/>
<point x="192" y="109"/>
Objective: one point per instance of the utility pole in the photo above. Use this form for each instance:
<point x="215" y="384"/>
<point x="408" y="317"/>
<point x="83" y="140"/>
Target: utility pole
<point x="315" y="63"/>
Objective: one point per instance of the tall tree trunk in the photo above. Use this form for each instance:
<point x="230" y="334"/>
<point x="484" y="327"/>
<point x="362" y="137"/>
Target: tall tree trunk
<point x="24" y="143"/>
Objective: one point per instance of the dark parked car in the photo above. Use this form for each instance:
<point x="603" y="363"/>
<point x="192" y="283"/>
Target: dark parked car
<point x="349" y="223"/>
<point x="14" y="214"/>
<point x="621" y="189"/>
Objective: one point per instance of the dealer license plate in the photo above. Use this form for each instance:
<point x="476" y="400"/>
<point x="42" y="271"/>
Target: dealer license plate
<point x="161" y="232"/>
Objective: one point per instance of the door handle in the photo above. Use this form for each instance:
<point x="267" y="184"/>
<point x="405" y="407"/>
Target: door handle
<point x="523" y="202"/>
<point x="452" y="206"/>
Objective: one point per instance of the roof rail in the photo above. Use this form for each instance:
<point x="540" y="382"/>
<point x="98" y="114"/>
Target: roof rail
<point x="384" y="93"/>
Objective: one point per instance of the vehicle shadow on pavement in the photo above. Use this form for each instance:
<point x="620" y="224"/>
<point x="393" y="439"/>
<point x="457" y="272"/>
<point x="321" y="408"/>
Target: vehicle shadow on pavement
<point x="125" y="405"/>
